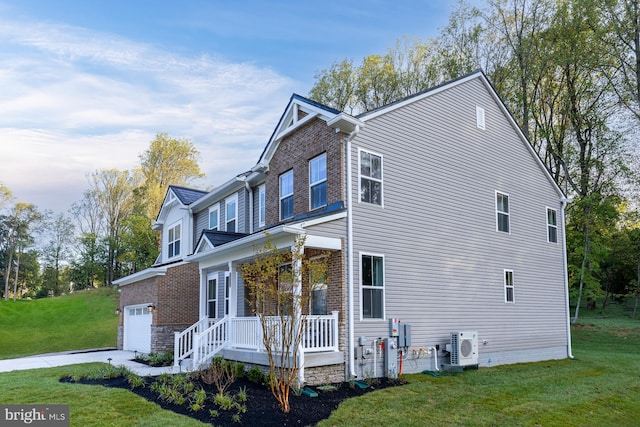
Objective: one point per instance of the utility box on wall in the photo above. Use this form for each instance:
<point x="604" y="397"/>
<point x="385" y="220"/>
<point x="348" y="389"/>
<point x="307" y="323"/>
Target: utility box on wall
<point x="394" y="327"/>
<point x="390" y="358"/>
<point x="404" y="338"/>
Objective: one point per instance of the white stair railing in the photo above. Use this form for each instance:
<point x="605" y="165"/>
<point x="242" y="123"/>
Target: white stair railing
<point x="183" y="341"/>
<point x="210" y="341"/>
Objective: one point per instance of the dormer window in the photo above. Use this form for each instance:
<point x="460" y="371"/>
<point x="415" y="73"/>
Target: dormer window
<point x="173" y="239"/>
<point x="286" y="195"/>
<point x="318" y="181"/>
<point x="231" y="214"/>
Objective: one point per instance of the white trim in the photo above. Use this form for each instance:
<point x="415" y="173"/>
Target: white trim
<point x="229" y="200"/>
<point x="546" y="211"/>
<point x="508" y="213"/>
<point x="262" y="205"/>
<point x="320" y="181"/>
<point x="323" y="219"/>
<point x="142" y="275"/>
<point x="509" y="286"/>
<point x="214" y="207"/>
<point x="360" y="150"/>
<point x="384" y="285"/>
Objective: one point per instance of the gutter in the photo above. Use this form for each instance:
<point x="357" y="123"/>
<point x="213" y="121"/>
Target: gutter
<point x="350" y="305"/>
<point x="564" y="201"/>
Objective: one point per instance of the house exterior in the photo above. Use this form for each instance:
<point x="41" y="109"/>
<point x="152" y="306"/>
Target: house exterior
<point x="444" y="228"/>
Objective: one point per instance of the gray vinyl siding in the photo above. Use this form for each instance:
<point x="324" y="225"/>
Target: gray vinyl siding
<point x="202" y="218"/>
<point x="443" y="258"/>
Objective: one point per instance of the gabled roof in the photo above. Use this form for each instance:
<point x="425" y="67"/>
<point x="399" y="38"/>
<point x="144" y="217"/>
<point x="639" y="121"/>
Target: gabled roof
<point x="212" y="239"/>
<point x="187" y="195"/>
<point x="299" y="111"/>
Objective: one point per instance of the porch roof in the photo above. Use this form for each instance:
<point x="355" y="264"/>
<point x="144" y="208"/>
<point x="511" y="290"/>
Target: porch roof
<point x="244" y="248"/>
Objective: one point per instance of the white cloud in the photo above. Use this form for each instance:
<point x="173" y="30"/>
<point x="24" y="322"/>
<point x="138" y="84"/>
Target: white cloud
<point x="73" y="101"/>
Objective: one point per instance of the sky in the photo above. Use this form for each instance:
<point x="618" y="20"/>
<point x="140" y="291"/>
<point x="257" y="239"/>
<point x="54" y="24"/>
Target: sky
<point x="86" y="85"/>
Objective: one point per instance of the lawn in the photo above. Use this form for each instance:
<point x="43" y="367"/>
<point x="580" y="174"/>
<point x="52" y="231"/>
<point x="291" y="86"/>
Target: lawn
<point x="599" y="388"/>
<point x="78" y="321"/>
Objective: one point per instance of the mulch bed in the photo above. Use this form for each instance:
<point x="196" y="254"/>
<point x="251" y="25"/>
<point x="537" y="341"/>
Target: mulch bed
<point x="262" y="408"/>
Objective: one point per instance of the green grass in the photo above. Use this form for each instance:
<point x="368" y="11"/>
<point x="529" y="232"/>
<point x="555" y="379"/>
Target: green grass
<point x="89" y="405"/>
<point x="78" y="321"/>
<point x="599" y="388"/>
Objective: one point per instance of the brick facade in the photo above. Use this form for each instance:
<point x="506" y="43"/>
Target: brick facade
<point x="294" y="152"/>
<point x="176" y="297"/>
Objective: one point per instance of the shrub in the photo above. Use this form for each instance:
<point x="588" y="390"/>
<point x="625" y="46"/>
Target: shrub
<point x="135" y="380"/>
<point x="221" y="373"/>
<point x="256" y="375"/>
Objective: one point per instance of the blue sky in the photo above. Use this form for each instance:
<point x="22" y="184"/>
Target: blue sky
<point x="86" y="85"/>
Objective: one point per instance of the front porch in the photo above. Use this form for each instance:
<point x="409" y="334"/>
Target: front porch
<point x="240" y="339"/>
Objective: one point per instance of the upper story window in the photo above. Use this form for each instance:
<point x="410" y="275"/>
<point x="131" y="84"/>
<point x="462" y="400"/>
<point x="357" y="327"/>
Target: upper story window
<point x="552" y="226"/>
<point x="286" y="195"/>
<point x="214" y="218"/>
<point x="212" y="296"/>
<point x="502" y="212"/>
<point x="318" y="181"/>
<point x="262" y="205"/>
<point x="372" y="279"/>
<point x="508" y="286"/>
<point x="370" y="178"/>
<point x="173" y="240"/>
<point x="231" y="214"/>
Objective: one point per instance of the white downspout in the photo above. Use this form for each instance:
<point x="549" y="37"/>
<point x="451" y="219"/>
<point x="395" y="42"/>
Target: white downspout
<point x="350" y="316"/>
<point x="564" y="202"/>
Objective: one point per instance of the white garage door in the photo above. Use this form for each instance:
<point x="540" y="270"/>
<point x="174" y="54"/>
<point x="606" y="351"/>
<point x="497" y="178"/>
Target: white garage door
<point x="137" y="328"/>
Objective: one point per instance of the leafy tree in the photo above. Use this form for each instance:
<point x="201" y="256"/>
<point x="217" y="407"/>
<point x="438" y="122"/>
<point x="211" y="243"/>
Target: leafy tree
<point x="5" y="195"/>
<point x="58" y="249"/>
<point x="168" y="161"/>
<point x="275" y="284"/>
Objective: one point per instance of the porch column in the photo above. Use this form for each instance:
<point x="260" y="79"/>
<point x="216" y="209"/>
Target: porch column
<point x="297" y="253"/>
<point x="233" y="289"/>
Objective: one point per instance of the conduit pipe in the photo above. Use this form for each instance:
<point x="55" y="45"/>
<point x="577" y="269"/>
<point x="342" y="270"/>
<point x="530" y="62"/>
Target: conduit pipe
<point x="435" y="356"/>
<point x="564" y="201"/>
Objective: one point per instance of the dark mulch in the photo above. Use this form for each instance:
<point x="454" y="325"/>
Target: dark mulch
<point x="262" y="408"/>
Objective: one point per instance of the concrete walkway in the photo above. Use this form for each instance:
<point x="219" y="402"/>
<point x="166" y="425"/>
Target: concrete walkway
<point x="118" y="357"/>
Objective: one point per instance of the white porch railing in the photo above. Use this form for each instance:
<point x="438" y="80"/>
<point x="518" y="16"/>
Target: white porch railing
<point x="320" y="333"/>
<point x="183" y="343"/>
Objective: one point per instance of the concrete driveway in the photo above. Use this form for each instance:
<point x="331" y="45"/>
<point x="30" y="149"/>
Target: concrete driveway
<point x="118" y="357"/>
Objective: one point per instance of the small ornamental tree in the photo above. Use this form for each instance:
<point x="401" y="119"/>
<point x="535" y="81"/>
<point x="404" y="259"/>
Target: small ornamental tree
<point x="275" y="281"/>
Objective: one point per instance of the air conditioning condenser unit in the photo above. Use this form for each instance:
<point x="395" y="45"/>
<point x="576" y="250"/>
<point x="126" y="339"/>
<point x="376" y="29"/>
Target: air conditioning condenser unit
<point x="464" y="348"/>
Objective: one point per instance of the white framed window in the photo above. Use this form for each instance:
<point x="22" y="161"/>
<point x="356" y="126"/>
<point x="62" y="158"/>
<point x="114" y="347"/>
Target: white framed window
<point x="262" y="205"/>
<point x="286" y="195"/>
<point x="480" y="117"/>
<point x="372" y="286"/>
<point x="174" y="235"/>
<point x="212" y="296"/>
<point x="502" y="212"/>
<point x="370" y="173"/>
<point x="227" y="291"/>
<point x="214" y="218"/>
<point x="552" y="225"/>
<point x="318" y="182"/>
<point x="231" y="214"/>
<point x="508" y="286"/>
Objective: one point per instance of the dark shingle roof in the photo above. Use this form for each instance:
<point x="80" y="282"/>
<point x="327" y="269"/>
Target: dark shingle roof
<point x="218" y="238"/>
<point x="187" y="195"/>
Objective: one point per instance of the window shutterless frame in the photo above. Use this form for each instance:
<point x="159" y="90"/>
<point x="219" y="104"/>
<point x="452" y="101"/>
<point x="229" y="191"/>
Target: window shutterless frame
<point x="231" y="213"/>
<point x="318" y="182"/>
<point x="174" y="236"/>
<point x="509" y="291"/>
<point x="370" y="178"/>
<point x="372" y="286"/>
<point x="214" y="217"/>
<point x="552" y="225"/>
<point x="503" y="212"/>
<point x="262" y="205"/>
<point x="286" y="195"/>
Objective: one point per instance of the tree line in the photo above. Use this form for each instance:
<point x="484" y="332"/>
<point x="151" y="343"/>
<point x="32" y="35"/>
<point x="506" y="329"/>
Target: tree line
<point x="105" y="235"/>
<point x="569" y="72"/>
